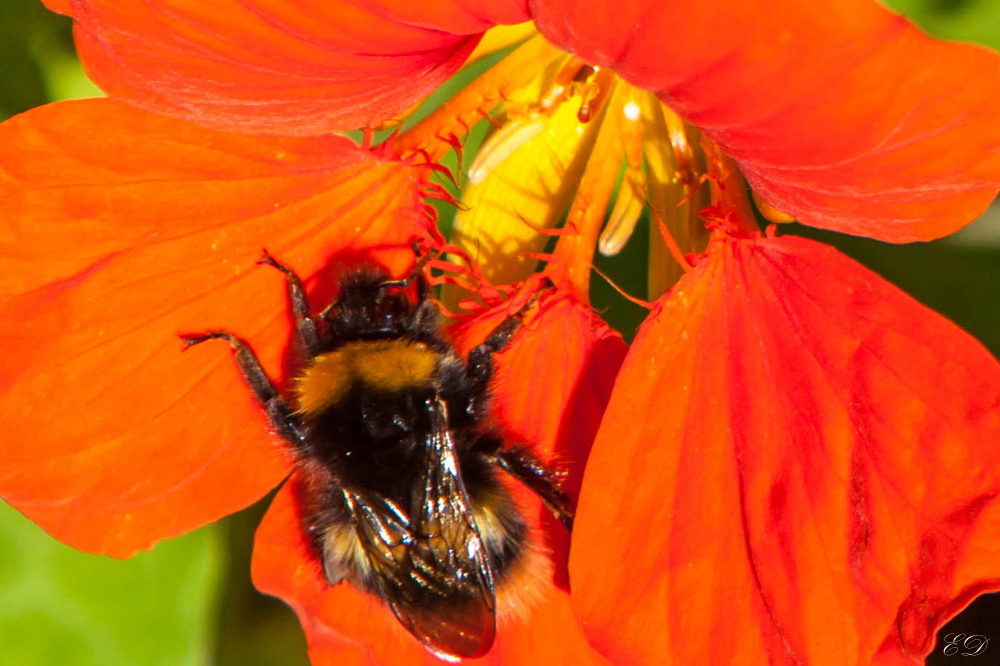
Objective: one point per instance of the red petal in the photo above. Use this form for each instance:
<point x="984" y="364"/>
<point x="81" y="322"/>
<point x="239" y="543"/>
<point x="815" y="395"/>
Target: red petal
<point x="839" y="113"/>
<point x="59" y="6"/>
<point x="268" y="66"/>
<point x="554" y="381"/>
<point x="120" y="230"/>
<point x="798" y="465"/>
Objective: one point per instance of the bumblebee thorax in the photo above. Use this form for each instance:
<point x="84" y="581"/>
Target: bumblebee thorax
<point x="386" y="366"/>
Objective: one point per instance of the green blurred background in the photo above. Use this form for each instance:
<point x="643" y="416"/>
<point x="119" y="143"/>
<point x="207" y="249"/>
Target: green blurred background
<point x="190" y="600"/>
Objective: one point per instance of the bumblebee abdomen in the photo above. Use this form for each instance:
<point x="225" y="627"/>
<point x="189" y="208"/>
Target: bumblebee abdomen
<point x="499" y="523"/>
<point x="385" y="366"/>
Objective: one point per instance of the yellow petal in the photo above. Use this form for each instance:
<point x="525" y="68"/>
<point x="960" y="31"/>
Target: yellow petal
<point x="502" y="144"/>
<point x="528" y="190"/>
<point x="501" y="37"/>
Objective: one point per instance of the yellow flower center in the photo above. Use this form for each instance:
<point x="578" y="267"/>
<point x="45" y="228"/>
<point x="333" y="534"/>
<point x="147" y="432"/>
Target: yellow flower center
<point x="567" y="135"/>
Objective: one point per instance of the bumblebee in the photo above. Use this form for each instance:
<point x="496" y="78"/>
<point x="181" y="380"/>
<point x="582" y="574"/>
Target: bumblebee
<point x="402" y="495"/>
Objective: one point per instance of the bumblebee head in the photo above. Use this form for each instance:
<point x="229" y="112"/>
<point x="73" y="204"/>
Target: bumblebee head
<point x="370" y="306"/>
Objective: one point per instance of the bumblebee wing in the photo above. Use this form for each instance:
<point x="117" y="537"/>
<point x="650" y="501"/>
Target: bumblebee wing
<point x="385" y="535"/>
<point x="449" y="553"/>
<point x="432" y="567"/>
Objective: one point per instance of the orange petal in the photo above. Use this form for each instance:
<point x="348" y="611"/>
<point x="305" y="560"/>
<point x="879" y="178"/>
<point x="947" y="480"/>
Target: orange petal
<point x="59" y="6"/>
<point x="839" y="113"/>
<point x="345" y="626"/>
<point x="305" y="67"/>
<point x="121" y="229"/>
<point x="552" y="384"/>
<point x="798" y="465"/>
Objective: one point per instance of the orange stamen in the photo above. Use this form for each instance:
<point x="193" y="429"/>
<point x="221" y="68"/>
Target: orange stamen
<point x="683" y="152"/>
<point x="668" y="238"/>
<point x="728" y="190"/>
<point x="561" y="87"/>
<point x="541" y="256"/>
<point x="634" y="299"/>
<point x="574" y="253"/>
<point x="595" y="92"/>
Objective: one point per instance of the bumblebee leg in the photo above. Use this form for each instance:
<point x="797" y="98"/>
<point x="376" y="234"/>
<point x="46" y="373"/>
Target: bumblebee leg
<point x="305" y="323"/>
<point x="521" y="463"/>
<point x="479" y="366"/>
<point x="423" y="288"/>
<point x="426" y="325"/>
<point x="279" y="414"/>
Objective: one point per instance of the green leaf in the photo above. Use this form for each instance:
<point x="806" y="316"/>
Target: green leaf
<point x="975" y="21"/>
<point x="61" y="606"/>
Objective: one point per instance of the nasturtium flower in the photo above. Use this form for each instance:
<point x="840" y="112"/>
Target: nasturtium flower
<point x="794" y="463"/>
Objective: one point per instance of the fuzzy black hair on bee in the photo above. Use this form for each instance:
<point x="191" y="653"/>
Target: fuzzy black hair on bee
<point x="402" y="492"/>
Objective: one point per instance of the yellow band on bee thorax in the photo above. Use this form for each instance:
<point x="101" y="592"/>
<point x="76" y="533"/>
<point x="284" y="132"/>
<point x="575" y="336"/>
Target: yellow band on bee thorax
<point x="385" y="365"/>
